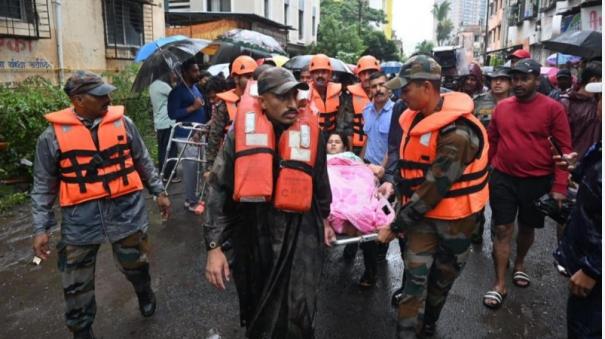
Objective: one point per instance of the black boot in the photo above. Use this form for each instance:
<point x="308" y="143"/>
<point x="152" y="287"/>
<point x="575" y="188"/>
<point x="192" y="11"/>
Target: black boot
<point x="147" y="302"/>
<point x="85" y="333"/>
<point x="397" y="296"/>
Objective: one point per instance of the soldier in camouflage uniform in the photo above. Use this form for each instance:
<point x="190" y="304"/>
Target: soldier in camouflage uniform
<point x="442" y="191"/>
<point x="484" y="106"/>
<point x="242" y="70"/>
<point x="89" y="217"/>
<point x="499" y="89"/>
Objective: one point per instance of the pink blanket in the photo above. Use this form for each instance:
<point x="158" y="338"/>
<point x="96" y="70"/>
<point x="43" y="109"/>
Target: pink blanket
<point x="354" y="198"/>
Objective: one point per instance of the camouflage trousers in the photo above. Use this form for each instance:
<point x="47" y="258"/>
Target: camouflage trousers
<point x="77" y="267"/>
<point x="436" y="251"/>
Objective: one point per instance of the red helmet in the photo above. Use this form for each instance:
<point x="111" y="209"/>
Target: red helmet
<point x="243" y="64"/>
<point x="320" y="61"/>
<point x="367" y="62"/>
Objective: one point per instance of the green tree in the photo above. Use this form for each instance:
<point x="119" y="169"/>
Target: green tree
<point x="345" y="32"/>
<point x="380" y="47"/>
<point x="444" y="25"/>
<point x="333" y="38"/>
<point x="425" y="46"/>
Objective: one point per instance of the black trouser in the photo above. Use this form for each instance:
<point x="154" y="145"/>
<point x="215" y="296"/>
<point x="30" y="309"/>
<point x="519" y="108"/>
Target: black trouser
<point x="163" y="136"/>
<point x="584" y="315"/>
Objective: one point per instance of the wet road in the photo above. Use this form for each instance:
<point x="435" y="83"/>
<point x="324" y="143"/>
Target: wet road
<point x="188" y="307"/>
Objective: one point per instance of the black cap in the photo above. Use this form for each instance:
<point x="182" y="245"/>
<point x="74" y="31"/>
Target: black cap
<point x="527" y="66"/>
<point x="500" y="72"/>
<point x="84" y="82"/>
<point x="278" y="81"/>
<point x="564" y="73"/>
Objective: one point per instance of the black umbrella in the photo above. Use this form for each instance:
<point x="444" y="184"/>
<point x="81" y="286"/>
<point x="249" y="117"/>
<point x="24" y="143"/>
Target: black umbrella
<point x="586" y="44"/>
<point x="296" y="63"/>
<point x="253" y="41"/>
<point x="165" y="59"/>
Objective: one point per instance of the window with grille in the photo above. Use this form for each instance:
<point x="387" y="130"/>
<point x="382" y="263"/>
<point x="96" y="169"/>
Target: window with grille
<point x="301" y="19"/>
<point x="313" y="21"/>
<point x="218" y="5"/>
<point x="12" y="9"/>
<point x="123" y="23"/>
<point x="24" y="19"/>
<point x="286" y="10"/>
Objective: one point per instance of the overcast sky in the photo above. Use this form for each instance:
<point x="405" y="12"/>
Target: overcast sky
<point x="413" y="22"/>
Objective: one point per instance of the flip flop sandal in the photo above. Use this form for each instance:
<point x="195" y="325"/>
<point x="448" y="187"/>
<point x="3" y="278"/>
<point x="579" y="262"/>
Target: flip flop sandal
<point x="496" y="296"/>
<point x="521" y="277"/>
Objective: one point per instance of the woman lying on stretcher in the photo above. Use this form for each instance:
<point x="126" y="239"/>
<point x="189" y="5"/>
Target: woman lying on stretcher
<point x="355" y="208"/>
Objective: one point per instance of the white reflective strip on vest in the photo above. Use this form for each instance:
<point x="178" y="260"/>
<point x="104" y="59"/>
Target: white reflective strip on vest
<point x="425" y="139"/>
<point x="305" y="136"/>
<point x="250" y="122"/>
<point x="257" y="139"/>
<point x="300" y="154"/>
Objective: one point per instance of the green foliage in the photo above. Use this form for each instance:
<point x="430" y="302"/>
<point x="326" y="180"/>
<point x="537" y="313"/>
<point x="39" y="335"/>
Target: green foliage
<point x="444" y="29"/>
<point x="496" y="60"/>
<point x="7" y="202"/>
<point x="138" y="106"/>
<point x="440" y="11"/>
<point x="381" y="48"/>
<point x="425" y="46"/>
<point x="444" y="25"/>
<point x="345" y="32"/>
<point x="333" y="38"/>
<point x="21" y="121"/>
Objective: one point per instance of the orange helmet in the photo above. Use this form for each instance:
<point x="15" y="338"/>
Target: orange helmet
<point x="320" y="61"/>
<point x="367" y="62"/>
<point x="243" y="64"/>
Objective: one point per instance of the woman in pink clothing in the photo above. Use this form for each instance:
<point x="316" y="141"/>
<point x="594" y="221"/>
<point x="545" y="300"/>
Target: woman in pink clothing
<point x="354" y="208"/>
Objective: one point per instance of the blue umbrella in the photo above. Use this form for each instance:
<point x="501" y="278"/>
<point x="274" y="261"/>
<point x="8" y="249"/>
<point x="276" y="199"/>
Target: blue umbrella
<point x="149" y="48"/>
<point x="391" y="67"/>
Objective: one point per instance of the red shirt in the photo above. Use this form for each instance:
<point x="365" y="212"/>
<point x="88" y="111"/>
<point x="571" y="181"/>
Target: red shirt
<point x="518" y="132"/>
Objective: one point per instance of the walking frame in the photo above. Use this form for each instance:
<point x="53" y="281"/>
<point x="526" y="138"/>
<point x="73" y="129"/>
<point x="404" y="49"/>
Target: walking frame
<point x="197" y="137"/>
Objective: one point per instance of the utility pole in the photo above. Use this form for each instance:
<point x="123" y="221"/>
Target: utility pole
<point x="486" y="38"/>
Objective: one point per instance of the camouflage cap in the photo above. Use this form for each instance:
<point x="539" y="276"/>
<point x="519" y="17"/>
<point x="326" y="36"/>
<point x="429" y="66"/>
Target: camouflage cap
<point x="419" y="67"/>
<point x="500" y="72"/>
<point x="278" y="81"/>
<point x="84" y="82"/>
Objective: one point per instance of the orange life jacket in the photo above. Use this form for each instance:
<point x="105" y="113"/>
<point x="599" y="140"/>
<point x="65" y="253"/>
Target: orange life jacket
<point x="418" y="150"/>
<point x="360" y="101"/>
<point x="326" y="110"/>
<point x="90" y="171"/>
<point x="230" y="98"/>
<point x="254" y="157"/>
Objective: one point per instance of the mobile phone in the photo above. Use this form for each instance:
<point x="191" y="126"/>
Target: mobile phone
<point x="554" y="144"/>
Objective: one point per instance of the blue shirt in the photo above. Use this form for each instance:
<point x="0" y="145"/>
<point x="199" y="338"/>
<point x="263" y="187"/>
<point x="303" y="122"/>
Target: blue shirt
<point x="179" y="99"/>
<point x="376" y="126"/>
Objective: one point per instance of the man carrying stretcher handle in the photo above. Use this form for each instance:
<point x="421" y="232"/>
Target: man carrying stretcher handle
<point x="269" y="194"/>
<point x="442" y="182"/>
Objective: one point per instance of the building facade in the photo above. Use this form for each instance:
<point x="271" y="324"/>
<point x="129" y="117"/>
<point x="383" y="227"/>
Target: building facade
<point x="532" y="21"/>
<point x="53" y="38"/>
<point x="301" y="16"/>
<point x="496" y="25"/>
<point x="466" y="12"/>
